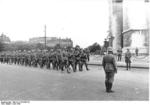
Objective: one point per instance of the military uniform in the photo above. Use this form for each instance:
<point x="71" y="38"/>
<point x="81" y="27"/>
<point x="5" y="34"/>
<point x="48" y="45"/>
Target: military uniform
<point x="55" y="60"/>
<point x="119" y="54"/>
<point x="128" y="59"/>
<point x="48" y="60"/>
<point x="35" y="60"/>
<point x="77" y="60"/>
<point x="64" y="61"/>
<point x="87" y="51"/>
<point x="84" y="59"/>
<point x="71" y="60"/>
<point x="137" y="51"/>
<point x="60" y="59"/>
<point x="109" y="65"/>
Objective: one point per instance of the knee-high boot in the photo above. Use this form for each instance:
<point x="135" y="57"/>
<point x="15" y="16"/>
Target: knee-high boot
<point x="107" y="87"/>
<point x="110" y="87"/>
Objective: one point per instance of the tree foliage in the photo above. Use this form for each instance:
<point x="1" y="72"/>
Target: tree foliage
<point x="94" y="48"/>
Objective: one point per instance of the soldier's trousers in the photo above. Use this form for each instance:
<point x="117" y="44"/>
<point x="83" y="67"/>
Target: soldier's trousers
<point x="48" y="64"/>
<point x="84" y="63"/>
<point x="88" y="58"/>
<point x="72" y="63"/>
<point x="128" y="65"/>
<point x="42" y="63"/>
<point x="109" y="77"/>
<point x="79" y="65"/>
<point x="119" y="57"/>
<point x="62" y="65"/>
<point x="34" y="63"/>
<point x="55" y="64"/>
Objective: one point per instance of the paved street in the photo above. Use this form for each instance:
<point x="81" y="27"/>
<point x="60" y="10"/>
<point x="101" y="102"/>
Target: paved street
<point x="25" y="83"/>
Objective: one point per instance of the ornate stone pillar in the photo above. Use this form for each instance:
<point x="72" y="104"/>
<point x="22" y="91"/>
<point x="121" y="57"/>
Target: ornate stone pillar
<point x="116" y="23"/>
<point x="111" y="38"/>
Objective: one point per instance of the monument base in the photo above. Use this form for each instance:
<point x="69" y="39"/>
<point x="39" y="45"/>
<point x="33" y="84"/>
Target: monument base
<point x="141" y="50"/>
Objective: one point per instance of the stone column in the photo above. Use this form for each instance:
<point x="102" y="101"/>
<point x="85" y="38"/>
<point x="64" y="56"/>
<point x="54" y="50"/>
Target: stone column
<point x="116" y="23"/>
<point x="147" y="5"/>
<point x="111" y="38"/>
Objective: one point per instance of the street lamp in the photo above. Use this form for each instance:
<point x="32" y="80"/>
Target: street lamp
<point x="45" y="36"/>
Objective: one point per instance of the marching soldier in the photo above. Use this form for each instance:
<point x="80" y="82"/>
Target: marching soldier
<point x="84" y="59"/>
<point x="35" y="60"/>
<point x="77" y="60"/>
<point x="87" y="51"/>
<point x="71" y="60"/>
<point x="64" y="60"/>
<point x="55" y="60"/>
<point x="48" y="60"/>
<point x="110" y="68"/>
<point x="60" y="59"/>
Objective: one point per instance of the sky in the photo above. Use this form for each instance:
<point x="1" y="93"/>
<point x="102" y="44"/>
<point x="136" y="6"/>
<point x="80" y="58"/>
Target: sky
<point x="136" y="13"/>
<point x="84" y="21"/>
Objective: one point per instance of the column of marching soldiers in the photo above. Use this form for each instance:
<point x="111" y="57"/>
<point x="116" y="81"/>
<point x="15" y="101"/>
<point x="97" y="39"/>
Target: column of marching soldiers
<point x="56" y="59"/>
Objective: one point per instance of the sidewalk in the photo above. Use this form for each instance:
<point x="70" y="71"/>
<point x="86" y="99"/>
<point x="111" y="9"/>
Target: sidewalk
<point x="122" y="64"/>
<point x="137" y="62"/>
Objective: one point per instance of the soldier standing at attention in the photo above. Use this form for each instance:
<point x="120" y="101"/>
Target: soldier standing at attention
<point x="119" y="54"/>
<point x="136" y="51"/>
<point x="128" y="59"/>
<point x="110" y="68"/>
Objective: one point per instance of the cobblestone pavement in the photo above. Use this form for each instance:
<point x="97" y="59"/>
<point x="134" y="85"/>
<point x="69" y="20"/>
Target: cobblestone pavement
<point x="25" y="83"/>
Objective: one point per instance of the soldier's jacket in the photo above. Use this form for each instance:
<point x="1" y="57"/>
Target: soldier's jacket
<point x="77" y="55"/>
<point x="39" y="58"/>
<point x="55" y="57"/>
<point x="83" y="57"/>
<point x="109" y="63"/>
<point x="64" y="56"/>
<point x="49" y="57"/>
<point x="119" y="52"/>
<point x="71" y="57"/>
<point x="128" y="57"/>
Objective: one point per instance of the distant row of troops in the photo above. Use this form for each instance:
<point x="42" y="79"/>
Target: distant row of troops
<point x="56" y="59"/>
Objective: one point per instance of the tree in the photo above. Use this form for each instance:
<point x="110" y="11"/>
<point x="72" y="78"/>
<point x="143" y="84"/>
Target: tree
<point x="94" y="48"/>
<point x="57" y="46"/>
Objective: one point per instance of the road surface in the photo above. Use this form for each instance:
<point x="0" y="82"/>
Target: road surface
<point x="35" y="84"/>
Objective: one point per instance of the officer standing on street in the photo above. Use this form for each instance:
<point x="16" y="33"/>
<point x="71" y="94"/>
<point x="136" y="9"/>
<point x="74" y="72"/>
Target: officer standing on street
<point x="128" y="59"/>
<point x="110" y="68"/>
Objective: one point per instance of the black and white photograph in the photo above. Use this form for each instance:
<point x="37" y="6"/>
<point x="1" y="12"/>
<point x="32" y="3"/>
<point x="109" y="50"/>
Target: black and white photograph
<point x="74" y="50"/>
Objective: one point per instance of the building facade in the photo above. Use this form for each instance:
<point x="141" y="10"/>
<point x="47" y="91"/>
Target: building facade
<point x="4" y="39"/>
<point x="129" y="30"/>
<point x="52" y="41"/>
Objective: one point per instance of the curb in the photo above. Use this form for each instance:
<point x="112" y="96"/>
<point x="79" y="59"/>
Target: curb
<point x="142" y="67"/>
